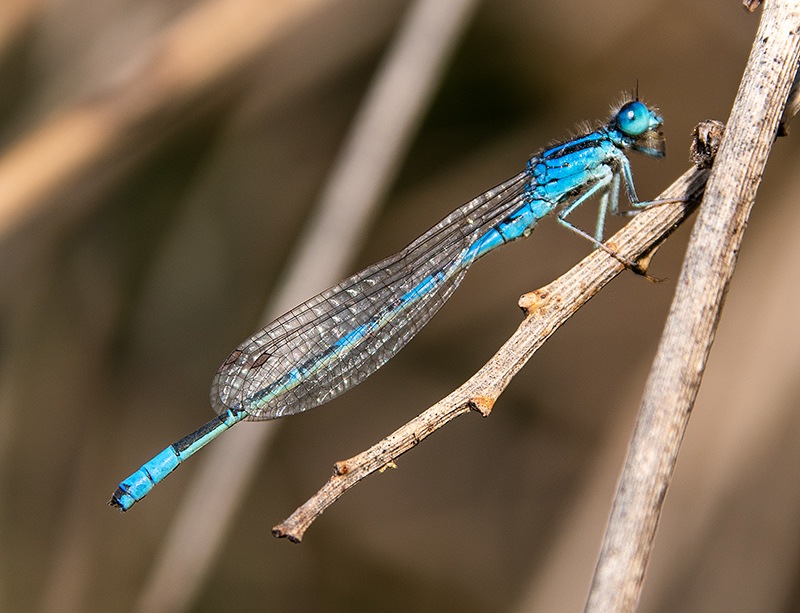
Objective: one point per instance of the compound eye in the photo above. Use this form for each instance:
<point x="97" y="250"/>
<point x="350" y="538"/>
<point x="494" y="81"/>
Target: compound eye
<point x="634" y="118"/>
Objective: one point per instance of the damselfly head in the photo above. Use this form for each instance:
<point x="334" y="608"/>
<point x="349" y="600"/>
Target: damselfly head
<point x="635" y="118"/>
<point x="640" y="127"/>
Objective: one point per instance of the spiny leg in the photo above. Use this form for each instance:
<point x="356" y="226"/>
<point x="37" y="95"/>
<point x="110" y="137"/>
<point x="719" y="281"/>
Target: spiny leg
<point x="602" y="187"/>
<point x="609" y="195"/>
<point x="639" y="206"/>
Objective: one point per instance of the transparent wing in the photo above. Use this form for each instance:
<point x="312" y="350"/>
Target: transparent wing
<point x="338" y="338"/>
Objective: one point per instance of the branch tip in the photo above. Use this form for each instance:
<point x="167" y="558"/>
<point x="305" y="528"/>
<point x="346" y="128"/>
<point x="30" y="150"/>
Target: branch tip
<point x="282" y="532"/>
<point x="706" y="137"/>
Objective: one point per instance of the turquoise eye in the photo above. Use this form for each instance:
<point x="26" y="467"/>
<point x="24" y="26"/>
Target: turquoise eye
<point x="634" y="118"/>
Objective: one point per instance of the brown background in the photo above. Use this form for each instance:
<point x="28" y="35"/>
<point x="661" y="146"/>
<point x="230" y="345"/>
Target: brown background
<point x="146" y="241"/>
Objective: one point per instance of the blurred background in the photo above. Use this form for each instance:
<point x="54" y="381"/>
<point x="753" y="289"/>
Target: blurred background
<point x="159" y="163"/>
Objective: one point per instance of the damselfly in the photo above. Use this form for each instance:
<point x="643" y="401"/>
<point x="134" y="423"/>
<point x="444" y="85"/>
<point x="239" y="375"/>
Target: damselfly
<point x="338" y="338"/>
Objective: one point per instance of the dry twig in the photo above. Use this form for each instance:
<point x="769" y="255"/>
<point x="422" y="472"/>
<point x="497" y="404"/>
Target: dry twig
<point x="547" y="309"/>
<point x="689" y="332"/>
